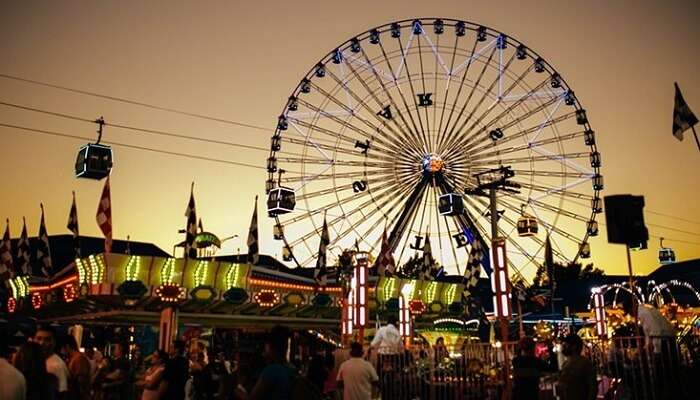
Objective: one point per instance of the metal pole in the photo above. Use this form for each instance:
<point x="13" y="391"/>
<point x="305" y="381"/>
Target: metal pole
<point x="696" y="136"/>
<point x="634" y="292"/>
<point x="493" y="205"/>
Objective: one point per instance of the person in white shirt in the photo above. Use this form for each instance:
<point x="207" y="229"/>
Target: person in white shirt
<point x="356" y="376"/>
<point x="387" y="340"/>
<point x="46" y="338"/>
<point x="13" y="386"/>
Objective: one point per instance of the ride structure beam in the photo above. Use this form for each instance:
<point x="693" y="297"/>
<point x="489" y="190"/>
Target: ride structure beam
<point x="465" y="222"/>
<point x="410" y="208"/>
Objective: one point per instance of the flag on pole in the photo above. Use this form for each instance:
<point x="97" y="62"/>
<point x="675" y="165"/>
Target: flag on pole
<point x="23" y="252"/>
<point x="428" y="261"/>
<point x="252" y="242"/>
<point x="473" y="268"/>
<point x="320" y="273"/>
<point x="191" y="230"/>
<point x="7" y="270"/>
<point x="72" y="226"/>
<point x="386" y="265"/>
<point x="43" y="249"/>
<point x="104" y="216"/>
<point x="683" y="117"/>
<point x="549" y="263"/>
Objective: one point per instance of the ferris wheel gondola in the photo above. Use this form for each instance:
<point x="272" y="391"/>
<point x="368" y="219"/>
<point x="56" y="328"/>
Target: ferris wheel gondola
<point x="391" y="129"/>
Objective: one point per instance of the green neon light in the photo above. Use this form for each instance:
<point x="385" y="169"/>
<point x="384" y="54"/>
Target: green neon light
<point x="450" y="295"/>
<point x="430" y="292"/>
<point x="167" y="271"/>
<point x="97" y="268"/>
<point x="232" y="275"/>
<point x="389" y="287"/>
<point x="15" y="290"/>
<point x="200" y="273"/>
<point x="133" y="267"/>
<point x="25" y="282"/>
<point x="82" y="271"/>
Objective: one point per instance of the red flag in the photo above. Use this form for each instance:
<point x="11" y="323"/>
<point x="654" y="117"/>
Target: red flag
<point x="104" y="216"/>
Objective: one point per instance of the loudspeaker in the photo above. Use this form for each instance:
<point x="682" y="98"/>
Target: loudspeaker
<point x="624" y="216"/>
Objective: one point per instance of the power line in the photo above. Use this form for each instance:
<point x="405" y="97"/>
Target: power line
<point x="674" y="229"/>
<point x="131" y="146"/>
<point x="136" y="129"/>
<point x="134" y="102"/>
<point x="673" y="216"/>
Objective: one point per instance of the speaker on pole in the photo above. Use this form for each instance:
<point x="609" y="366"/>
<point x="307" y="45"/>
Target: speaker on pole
<point x="624" y="217"/>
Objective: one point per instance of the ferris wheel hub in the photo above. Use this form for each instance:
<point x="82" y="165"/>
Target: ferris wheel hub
<point x="432" y="163"/>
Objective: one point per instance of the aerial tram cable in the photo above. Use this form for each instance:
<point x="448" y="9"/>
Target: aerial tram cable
<point x="131" y="146"/>
<point x="136" y="103"/>
<point x="136" y="129"/>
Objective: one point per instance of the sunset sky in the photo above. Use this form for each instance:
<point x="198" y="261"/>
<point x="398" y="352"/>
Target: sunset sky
<point x="239" y="61"/>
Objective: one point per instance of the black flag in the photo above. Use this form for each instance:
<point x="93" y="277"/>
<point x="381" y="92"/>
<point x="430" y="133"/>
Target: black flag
<point x="321" y="273"/>
<point x="252" y="242"/>
<point x="72" y="226"/>
<point x="683" y="117"/>
<point x="191" y="231"/>
<point x="24" y="252"/>
<point x="43" y="250"/>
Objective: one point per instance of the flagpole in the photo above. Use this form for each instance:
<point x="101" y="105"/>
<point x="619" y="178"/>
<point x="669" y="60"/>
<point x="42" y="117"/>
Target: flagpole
<point x="696" y="137"/>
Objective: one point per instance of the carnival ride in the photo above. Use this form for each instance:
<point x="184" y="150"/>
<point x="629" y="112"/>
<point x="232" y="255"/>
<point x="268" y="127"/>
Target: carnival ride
<point x="388" y="130"/>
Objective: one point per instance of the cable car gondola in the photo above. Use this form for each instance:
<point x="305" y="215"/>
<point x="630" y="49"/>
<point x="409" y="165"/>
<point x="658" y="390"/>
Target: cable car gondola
<point x="527" y="224"/>
<point x="585" y="250"/>
<point x="450" y="204"/>
<point x="94" y="160"/>
<point x="277" y="232"/>
<point x="666" y="254"/>
<point x="280" y="199"/>
<point x="287" y="254"/>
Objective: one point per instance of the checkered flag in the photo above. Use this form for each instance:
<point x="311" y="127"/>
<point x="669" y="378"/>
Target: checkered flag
<point x="321" y="272"/>
<point x="72" y="226"/>
<point x="428" y="260"/>
<point x="104" y="216"/>
<point x="253" y="243"/>
<point x="23" y="252"/>
<point x="43" y="250"/>
<point x="386" y="265"/>
<point x="191" y="231"/>
<point x="473" y="268"/>
<point x="7" y="270"/>
<point x="683" y="117"/>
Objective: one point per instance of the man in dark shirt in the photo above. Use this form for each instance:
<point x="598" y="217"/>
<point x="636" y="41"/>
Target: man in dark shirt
<point x="527" y="370"/>
<point x="276" y="380"/>
<point x="118" y="379"/>
<point x="577" y="380"/>
<point x="176" y="372"/>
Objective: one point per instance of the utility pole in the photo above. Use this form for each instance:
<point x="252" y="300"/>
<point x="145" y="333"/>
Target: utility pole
<point x="494" y="180"/>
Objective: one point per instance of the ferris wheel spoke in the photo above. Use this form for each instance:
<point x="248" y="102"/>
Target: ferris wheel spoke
<point x="486" y="94"/>
<point x="523" y="133"/>
<point x="468" y="137"/>
<point x="407" y="108"/>
<point x="369" y="182"/>
<point x="388" y="192"/>
<point x="345" y="163"/>
<point x="544" y="157"/>
<point x="389" y="141"/>
<point x="424" y="99"/>
<point x="391" y="145"/>
<point x="452" y="133"/>
<point x="386" y="111"/>
<point x="424" y="130"/>
<point x="351" y="151"/>
<point x="447" y="91"/>
<point x="562" y="190"/>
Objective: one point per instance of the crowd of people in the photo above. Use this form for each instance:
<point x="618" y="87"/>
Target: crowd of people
<point x="52" y="366"/>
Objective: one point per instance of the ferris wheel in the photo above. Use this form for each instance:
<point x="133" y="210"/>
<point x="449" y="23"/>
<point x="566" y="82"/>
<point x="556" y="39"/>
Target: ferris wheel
<point x="391" y="130"/>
